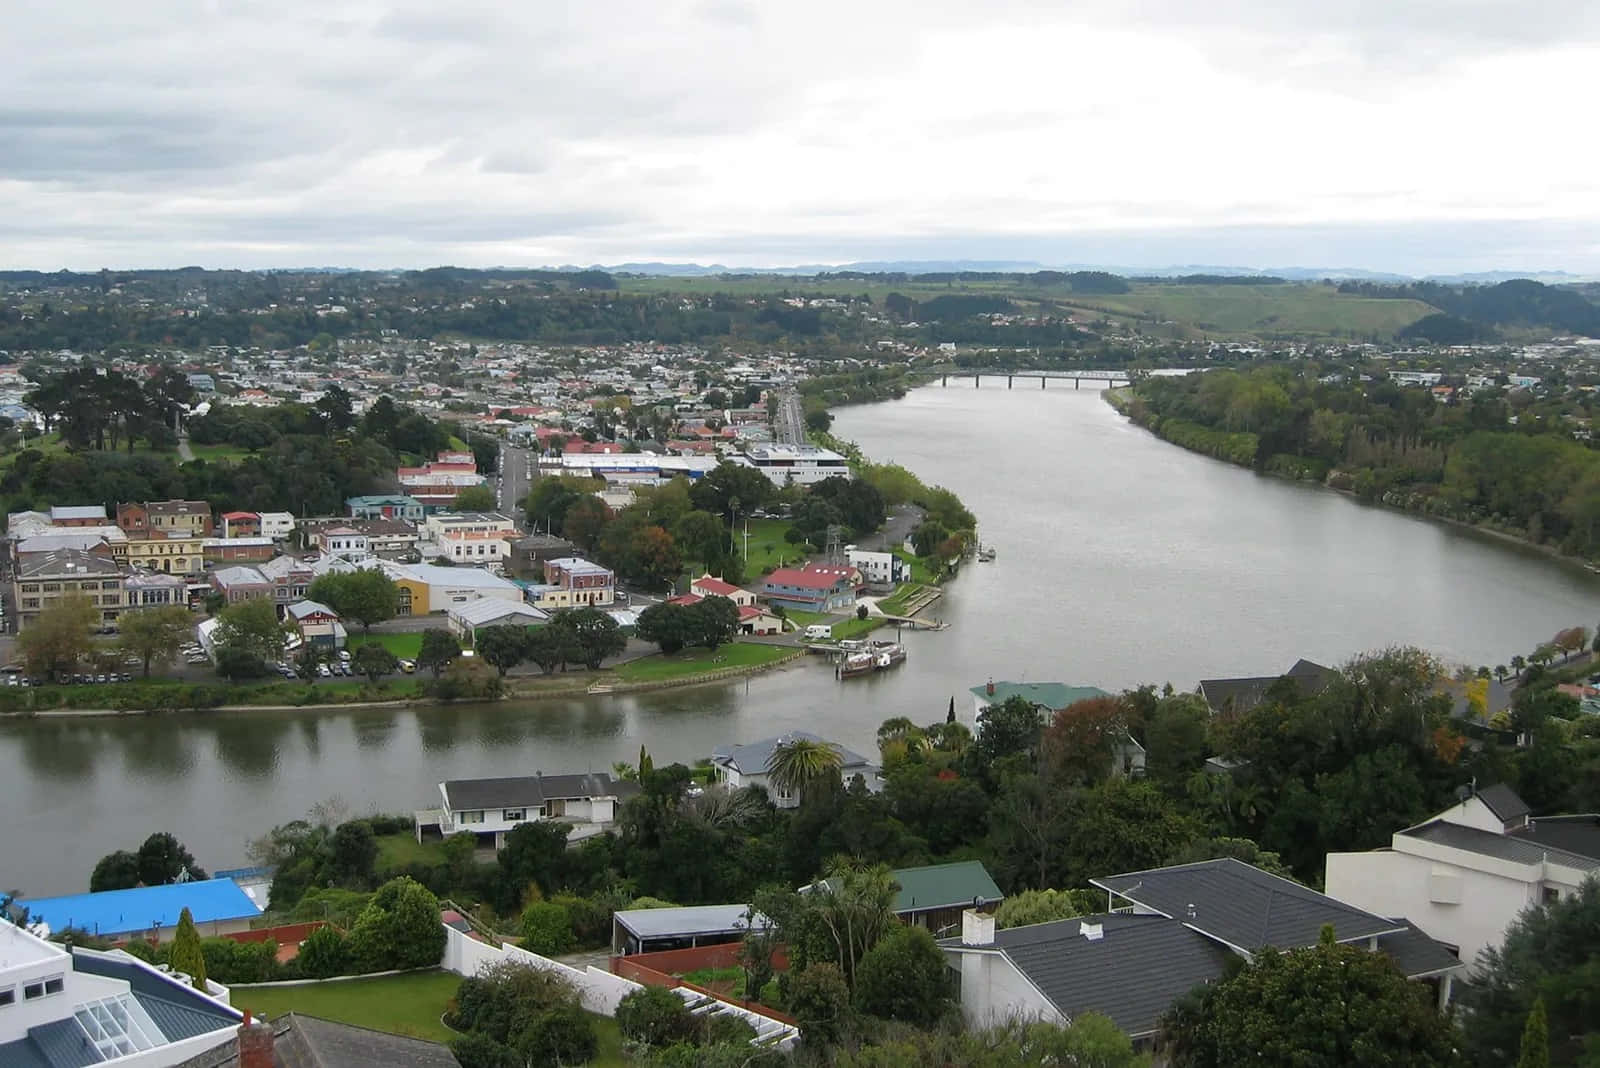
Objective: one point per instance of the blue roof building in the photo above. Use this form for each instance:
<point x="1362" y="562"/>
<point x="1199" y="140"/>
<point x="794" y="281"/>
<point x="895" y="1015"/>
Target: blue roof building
<point x="218" y="906"/>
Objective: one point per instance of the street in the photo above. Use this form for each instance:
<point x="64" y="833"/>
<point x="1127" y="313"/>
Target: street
<point x="789" y="421"/>
<point x="516" y="475"/>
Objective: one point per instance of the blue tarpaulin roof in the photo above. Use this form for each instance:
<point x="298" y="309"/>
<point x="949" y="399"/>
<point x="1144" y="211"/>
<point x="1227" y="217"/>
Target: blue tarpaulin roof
<point x="112" y="912"/>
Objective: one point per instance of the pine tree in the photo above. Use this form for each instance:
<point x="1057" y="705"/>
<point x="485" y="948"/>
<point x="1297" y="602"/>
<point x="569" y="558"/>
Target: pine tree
<point x="1535" y="1052"/>
<point x="185" y="955"/>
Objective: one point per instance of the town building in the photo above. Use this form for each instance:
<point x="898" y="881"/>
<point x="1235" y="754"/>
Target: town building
<point x="347" y="543"/>
<point x="317" y="624"/>
<point x="489" y="808"/>
<point x="437" y="483"/>
<point x="238" y="550"/>
<point x="290" y="578"/>
<point x="85" y="515"/>
<point x="480" y="548"/>
<point x="739" y="766"/>
<point x="1166" y="931"/>
<point x="879" y="570"/>
<point x="570" y="582"/>
<point x="217" y="906"/>
<point x="441" y="525"/>
<point x="238" y="584"/>
<point x="241" y="524"/>
<point x="465" y="620"/>
<point x="175" y="551"/>
<point x="806" y="589"/>
<point x="802" y="465"/>
<point x="79" y="1007"/>
<point x="426" y="588"/>
<point x="42" y="580"/>
<point x="153" y="589"/>
<point x="185" y="517"/>
<point x="1466" y="874"/>
<point x="279" y="526"/>
<point x="708" y="585"/>
<point x="386" y="506"/>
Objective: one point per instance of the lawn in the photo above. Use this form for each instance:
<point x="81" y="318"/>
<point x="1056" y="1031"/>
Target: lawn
<point x="405" y="645"/>
<point x="694" y="661"/>
<point x="408" y="1004"/>
<point x="216" y="453"/>
<point x="896" y="601"/>
<point x="920" y="571"/>
<point x="398" y="850"/>
<point x="805" y="619"/>
<point x="855" y="628"/>
<point x="766" y="546"/>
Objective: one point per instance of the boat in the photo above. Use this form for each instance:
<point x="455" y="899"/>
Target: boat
<point x="889" y="654"/>
<point x="857" y="664"/>
<point x="986" y="554"/>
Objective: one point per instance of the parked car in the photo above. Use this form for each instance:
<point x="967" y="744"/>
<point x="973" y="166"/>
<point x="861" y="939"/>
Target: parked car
<point x="323" y="670"/>
<point x="344" y="654"/>
<point x="408" y="666"/>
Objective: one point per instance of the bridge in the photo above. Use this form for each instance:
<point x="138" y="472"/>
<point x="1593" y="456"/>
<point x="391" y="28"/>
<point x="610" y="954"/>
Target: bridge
<point x="1077" y="378"/>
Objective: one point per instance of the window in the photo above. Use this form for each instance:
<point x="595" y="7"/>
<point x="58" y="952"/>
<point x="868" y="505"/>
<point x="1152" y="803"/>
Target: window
<point x="55" y="984"/>
<point x="30" y="602"/>
<point x="1551" y="895"/>
<point x="52" y="587"/>
<point x="472" y="817"/>
<point x="8" y="996"/>
<point x="515" y="815"/>
<point x="30" y="587"/>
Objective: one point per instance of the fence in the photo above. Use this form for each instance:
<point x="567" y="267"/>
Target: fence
<point x="635" y="969"/>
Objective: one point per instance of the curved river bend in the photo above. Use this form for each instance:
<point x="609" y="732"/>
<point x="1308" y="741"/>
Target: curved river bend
<point x="1122" y="560"/>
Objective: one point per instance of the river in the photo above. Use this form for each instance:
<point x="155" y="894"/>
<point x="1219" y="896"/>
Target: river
<point x="1122" y="560"/>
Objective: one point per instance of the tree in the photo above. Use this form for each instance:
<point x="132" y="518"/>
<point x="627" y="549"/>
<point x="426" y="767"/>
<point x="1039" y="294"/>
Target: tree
<point x="352" y="852"/>
<point x="598" y="635"/>
<point x="1012" y="726"/>
<point x="700" y="536"/>
<point x="717" y="621"/>
<point x="655" y="1016"/>
<point x="819" y="998"/>
<point x="1044" y="906"/>
<point x="306" y="661"/>
<point x="549" y="647"/>
<point x="585" y="521"/>
<point x="399" y="928"/>
<point x="653" y="557"/>
<point x="365" y="595"/>
<point x="475" y="499"/>
<point x="670" y="626"/>
<point x="439" y="649"/>
<point x="162" y="859"/>
<point x="855" y="906"/>
<point x="323" y="953"/>
<point x="546" y="929"/>
<point x="1079" y="744"/>
<point x="1177" y="738"/>
<point x="374" y="659"/>
<point x="904" y="977"/>
<point x="1548" y="954"/>
<point x="730" y="489"/>
<point x="1534" y="1051"/>
<point x="535" y="854"/>
<point x="185" y="955"/>
<point x="252" y="628"/>
<point x="336" y="409"/>
<point x="59" y="637"/>
<point x="154" y="635"/>
<point x="1324" y="1005"/>
<point x="502" y="647"/>
<point x="798" y="763"/>
<point x="115" y="871"/>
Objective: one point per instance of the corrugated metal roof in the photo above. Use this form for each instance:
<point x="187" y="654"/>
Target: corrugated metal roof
<point x="64" y="1044"/>
<point x="179" y="1022"/>
<point x="145" y="907"/>
<point x="687" y="921"/>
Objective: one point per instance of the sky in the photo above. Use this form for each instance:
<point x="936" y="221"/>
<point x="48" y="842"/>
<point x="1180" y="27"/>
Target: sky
<point x="1417" y="136"/>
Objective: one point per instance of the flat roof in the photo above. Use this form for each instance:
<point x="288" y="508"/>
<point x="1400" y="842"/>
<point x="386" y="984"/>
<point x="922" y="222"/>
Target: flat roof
<point x="18" y="947"/>
<point x="145" y="907"/>
<point x="686" y="921"/>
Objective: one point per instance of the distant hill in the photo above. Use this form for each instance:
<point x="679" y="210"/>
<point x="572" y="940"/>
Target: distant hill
<point x="1521" y="302"/>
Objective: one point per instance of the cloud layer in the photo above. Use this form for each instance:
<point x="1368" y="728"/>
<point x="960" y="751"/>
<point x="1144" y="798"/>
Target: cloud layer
<point x="1425" y="135"/>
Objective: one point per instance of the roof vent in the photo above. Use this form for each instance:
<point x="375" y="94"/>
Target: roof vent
<point x="1189" y="908"/>
<point x="1092" y="932"/>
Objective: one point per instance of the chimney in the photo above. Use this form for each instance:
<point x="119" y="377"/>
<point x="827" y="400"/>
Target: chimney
<point x="255" y="1043"/>
<point x="1092" y="932"/>
<point x="989" y="687"/>
<point x="977" y="928"/>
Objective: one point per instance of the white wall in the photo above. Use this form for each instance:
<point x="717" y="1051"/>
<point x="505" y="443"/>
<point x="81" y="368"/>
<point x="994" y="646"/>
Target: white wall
<point x="1474" y="813"/>
<point x="994" y="991"/>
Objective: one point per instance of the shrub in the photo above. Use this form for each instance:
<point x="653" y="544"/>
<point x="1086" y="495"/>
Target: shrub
<point x="590" y="918"/>
<point x="561" y="1034"/>
<point x="228" y="961"/>
<point x="500" y="999"/>
<point x="655" y="1016"/>
<point x="546" y="929"/>
<point x="903" y="977"/>
<point x="323" y="954"/>
<point x="820" y="1001"/>
<point x="399" y="928"/>
<point x="477" y="1050"/>
<point x="141" y="949"/>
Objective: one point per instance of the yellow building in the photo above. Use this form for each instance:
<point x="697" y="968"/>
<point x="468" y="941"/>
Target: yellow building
<point x="175" y="552"/>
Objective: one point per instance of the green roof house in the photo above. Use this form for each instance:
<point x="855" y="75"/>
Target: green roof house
<point x="934" y="895"/>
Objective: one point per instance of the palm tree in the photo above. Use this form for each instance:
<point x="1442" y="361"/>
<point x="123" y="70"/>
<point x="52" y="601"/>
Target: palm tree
<point x="1518" y="662"/>
<point x="798" y="762"/>
<point x="1500" y="672"/>
<point x="855" y="903"/>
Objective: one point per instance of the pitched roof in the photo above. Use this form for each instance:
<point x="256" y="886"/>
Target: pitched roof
<point x="66" y="562"/>
<point x="239" y="576"/>
<point x="1051" y="695"/>
<point x="144" y="907"/>
<point x="1243" y="694"/>
<point x="756" y="757"/>
<point x="487" y="610"/>
<point x="714" y="585"/>
<point x="1133" y="973"/>
<point x="301" y="1041"/>
<point x="935" y="886"/>
<point x="306" y="609"/>
<point x="1415" y="954"/>
<point x="178" y="508"/>
<point x="530" y="791"/>
<point x="1504" y="802"/>
<point x="77" y="511"/>
<point x="806" y="580"/>
<point x="1242" y="906"/>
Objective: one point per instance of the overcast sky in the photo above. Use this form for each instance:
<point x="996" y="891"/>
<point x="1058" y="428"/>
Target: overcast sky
<point x="1409" y="135"/>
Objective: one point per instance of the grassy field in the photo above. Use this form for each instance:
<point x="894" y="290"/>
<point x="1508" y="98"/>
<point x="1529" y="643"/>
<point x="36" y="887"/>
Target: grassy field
<point x="694" y="661"/>
<point x="920" y="571"/>
<point x="405" y="646"/>
<point x="896" y="601"/>
<point x="767" y="548"/>
<point x="855" y="628"/>
<point x="397" y="850"/>
<point x="398" y="1004"/>
<point x="218" y="453"/>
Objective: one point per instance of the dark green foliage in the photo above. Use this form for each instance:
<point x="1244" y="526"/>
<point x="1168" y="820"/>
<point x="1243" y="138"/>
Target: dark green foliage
<point x="534" y="854"/>
<point x="399" y="928"/>
<point x="186" y="954"/>
<point x="162" y="858"/>
<point x="439" y="649"/>
<point x="904" y="977"/>
<point x="323" y="953"/>
<point x="547" y="929"/>
<point x="230" y="962"/>
<point x="501" y="647"/>
<point x="1535" y="1049"/>
<point x="820" y="1000"/>
<point x="365" y="595"/>
<point x="374" y="660"/>
<point x="595" y="634"/>
<point x="478" y="1050"/>
<point x="518" y="1015"/>
<point x="352" y="852"/>
<point x="115" y="871"/>
<point x="655" y="1016"/>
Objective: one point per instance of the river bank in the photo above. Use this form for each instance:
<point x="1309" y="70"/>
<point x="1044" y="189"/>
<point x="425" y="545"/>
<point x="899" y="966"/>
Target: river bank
<point x="1408" y="504"/>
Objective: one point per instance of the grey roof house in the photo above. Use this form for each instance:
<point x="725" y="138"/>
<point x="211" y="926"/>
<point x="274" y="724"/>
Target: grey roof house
<point x="1165" y="931"/>
<point x="739" y="766"/>
<point x="1243" y="694"/>
<point x="297" y="1041"/>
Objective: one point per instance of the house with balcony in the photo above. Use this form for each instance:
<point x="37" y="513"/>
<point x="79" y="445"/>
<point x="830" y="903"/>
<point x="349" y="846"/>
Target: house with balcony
<point x="1466" y="874"/>
<point x="79" y="1007"/>
<point x="806" y="589"/>
<point x="241" y="524"/>
<point x="489" y="808"/>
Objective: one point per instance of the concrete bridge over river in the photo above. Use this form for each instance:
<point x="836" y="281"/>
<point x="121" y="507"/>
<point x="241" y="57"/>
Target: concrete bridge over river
<point x="1101" y="379"/>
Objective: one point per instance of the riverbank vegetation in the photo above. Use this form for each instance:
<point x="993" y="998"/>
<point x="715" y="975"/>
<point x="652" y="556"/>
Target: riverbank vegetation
<point x="1511" y="460"/>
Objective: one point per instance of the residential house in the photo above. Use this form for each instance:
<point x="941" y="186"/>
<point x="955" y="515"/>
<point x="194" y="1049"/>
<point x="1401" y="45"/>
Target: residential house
<point x="41" y="580"/>
<point x="241" y="524"/>
<point x="808" y="590"/>
<point x="388" y="537"/>
<point x="1166" y="931"/>
<point x="1468" y="872"/>
<point x="739" y="766"/>
<point x="90" y="515"/>
<point x="753" y="619"/>
<point x="465" y="620"/>
<point x="290" y="578"/>
<point x="1238" y="696"/>
<point x="238" y="584"/>
<point x="935" y="895"/>
<point x="881" y="570"/>
<point x="218" y="907"/>
<point x="709" y="586"/>
<point x="345" y="542"/>
<point x="489" y="808"/>
<point x="72" y="1006"/>
<point x="386" y="506"/>
<point x="294" y="1040"/>
<point x="318" y="624"/>
<point x="279" y="526"/>
<point x="239" y="550"/>
<point x="570" y="582"/>
<point x="1127" y="755"/>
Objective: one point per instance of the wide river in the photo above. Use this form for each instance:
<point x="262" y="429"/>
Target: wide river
<point x="1122" y="560"/>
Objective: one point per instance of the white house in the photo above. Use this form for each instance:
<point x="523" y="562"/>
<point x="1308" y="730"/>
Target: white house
<point x="878" y="568"/>
<point x="277" y="525"/>
<point x="475" y="547"/>
<point x="84" y="1007"/>
<point x="489" y="808"/>
<point x="709" y="585"/>
<point x="347" y="543"/>
<point x="794" y="464"/>
<point x="739" y="766"/>
<point x="1466" y="874"/>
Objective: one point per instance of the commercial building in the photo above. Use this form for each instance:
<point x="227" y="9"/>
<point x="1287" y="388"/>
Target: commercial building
<point x="441" y="525"/>
<point x="241" y="524"/>
<point x="426" y="588"/>
<point x="238" y="550"/>
<point x="570" y="582"/>
<point x="318" y="624"/>
<point x="279" y="526"/>
<point x="629" y="468"/>
<point x="1465" y="875"/>
<point x="466" y="620"/>
<point x="218" y="907"/>
<point x="42" y="580"/>
<point x="174" y="551"/>
<point x="88" y="515"/>
<point x="437" y="483"/>
<point x="290" y="579"/>
<point x="386" y="506"/>
<point x="184" y="517"/>
<point x="238" y="584"/>
<point x="153" y="589"/>
<point x="801" y="465"/>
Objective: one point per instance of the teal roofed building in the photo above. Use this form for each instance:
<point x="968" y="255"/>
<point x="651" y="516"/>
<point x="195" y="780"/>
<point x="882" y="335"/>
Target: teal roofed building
<point x="934" y="895"/>
<point x="386" y="506"/>
<point x="1128" y="756"/>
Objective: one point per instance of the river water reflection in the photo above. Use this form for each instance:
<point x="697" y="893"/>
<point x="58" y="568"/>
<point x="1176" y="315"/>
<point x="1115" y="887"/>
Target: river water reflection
<point x="1122" y="560"/>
